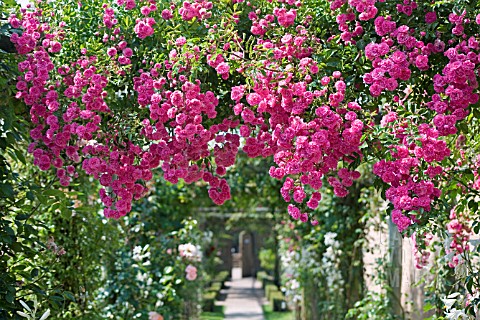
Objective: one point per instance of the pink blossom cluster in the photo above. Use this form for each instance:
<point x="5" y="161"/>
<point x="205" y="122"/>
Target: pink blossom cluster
<point x="285" y="18"/>
<point x="400" y="220"/>
<point x="430" y="17"/>
<point x="33" y="31"/>
<point x="460" y="232"/>
<point x="128" y="4"/>
<point x="199" y="9"/>
<point x="459" y="21"/>
<point x="119" y="175"/>
<point x="366" y="8"/>
<point x="396" y="66"/>
<point x="149" y="6"/>
<point x="176" y="124"/>
<point x="384" y="25"/>
<point x="218" y="62"/>
<point x="407" y="7"/>
<point x="456" y="87"/>
<point x="405" y="50"/>
<point x="144" y="27"/>
<point x="336" y="4"/>
<point x="65" y="136"/>
<point x="109" y="19"/>
<point x="304" y="151"/>
<point x="392" y="58"/>
<point x="121" y="52"/>
<point x="348" y="34"/>
<point x="420" y="253"/>
<point x="407" y="192"/>
<point x="260" y="25"/>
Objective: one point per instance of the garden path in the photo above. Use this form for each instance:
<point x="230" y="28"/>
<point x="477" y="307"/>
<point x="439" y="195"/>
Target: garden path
<point x="244" y="300"/>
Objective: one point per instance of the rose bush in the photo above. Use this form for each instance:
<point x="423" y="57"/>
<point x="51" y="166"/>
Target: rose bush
<point x="119" y="90"/>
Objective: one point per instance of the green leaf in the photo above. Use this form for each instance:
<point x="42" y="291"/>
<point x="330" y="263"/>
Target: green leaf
<point x="43" y="200"/>
<point x="9" y="231"/>
<point x="34" y="273"/>
<point x="10" y="296"/>
<point x="22" y="216"/>
<point x="469" y="284"/>
<point x="30" y="196"/>
<point x="54" y="193"/>
<point x="20" y="156"/>
<point x="427" y="307"/>
<point x="6" y="190"/>
<point x="69" y="295"/>
<point x="56" y="298"/>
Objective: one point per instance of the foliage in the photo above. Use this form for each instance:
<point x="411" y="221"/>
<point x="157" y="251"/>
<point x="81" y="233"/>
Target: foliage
<point x="267" y="259"/>
<point x="150" y="273"/>
<point x="217" y="314"/>
<point x="325" y="261"/>
<point x="30" y="313"/>
<point x="274" y="315"/>
<point x="375" y="305"/>
<point x="24" y="196"/>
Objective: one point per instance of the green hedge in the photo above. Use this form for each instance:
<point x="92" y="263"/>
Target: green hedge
<point x="269" y="289"/>
<point x="209" y="301"/>
<point x="215" y="287"/>
<point x="277" y="299"/>
<point x="265" y="279"/>
<point x="221" y="277"/>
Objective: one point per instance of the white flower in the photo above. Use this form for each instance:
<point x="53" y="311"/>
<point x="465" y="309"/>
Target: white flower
<point x="189" y="251"/>
<point x="45" y="315"/>
<point x="448" y="302"/>
<point x="142" y="277"/>
<point x="137" y="253"/>
<point x="330" y="239"/>
<point x="25" y="305"/>
<point x="455" y="314"/>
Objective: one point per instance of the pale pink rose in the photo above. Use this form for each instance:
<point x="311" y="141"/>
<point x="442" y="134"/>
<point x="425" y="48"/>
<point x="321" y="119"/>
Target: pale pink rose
<point x="152" y="315"/>
<point x="191" y="272"/>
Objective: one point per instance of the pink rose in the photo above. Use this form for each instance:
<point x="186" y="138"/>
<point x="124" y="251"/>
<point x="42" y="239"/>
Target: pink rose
<point x="431" y="17"/>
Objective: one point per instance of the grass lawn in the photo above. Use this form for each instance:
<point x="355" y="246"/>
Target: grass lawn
<point x="271" y="315"/>
<point x="217" y="314"/>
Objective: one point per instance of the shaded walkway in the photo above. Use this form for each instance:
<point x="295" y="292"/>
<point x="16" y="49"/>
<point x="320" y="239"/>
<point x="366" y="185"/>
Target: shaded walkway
<point x="244" y="300"/>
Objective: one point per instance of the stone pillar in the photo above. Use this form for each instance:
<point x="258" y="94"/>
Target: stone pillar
<point x="394" y="274"/>
<point x="225" y="247"/>
<point x="246" y="249"/>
